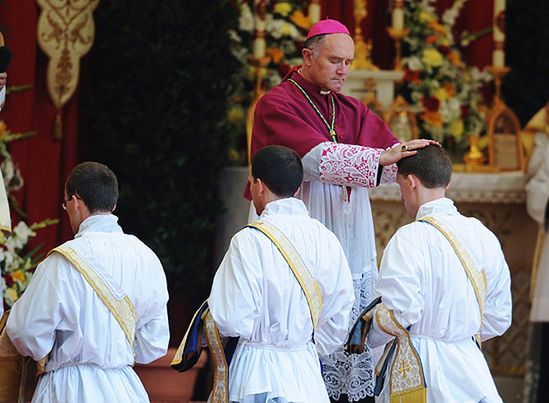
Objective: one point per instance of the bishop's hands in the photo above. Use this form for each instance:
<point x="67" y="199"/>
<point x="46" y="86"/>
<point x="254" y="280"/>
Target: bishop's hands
<point x="403" y="150"/>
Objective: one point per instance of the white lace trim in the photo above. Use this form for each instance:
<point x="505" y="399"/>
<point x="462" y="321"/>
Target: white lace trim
<point x="352" y="374"/>
<point x="350" y="165"/>
<point x="389" y="174"/>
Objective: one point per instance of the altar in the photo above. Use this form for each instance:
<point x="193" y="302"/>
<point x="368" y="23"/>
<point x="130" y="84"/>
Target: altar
<point x="496" y="199"/>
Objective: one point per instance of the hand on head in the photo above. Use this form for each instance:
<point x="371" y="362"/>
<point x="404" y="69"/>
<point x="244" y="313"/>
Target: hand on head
<point x="403" y="150"/>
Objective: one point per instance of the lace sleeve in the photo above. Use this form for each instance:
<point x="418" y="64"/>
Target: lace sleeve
<point x="389" y="174"/>
<point x="350" y="165"/>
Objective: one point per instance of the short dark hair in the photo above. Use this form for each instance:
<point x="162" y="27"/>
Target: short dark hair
<point x="280" y="168"/>
<point x="314" y="43"/>
<point x="95" y="184"/>
<point x="432" y="166"/>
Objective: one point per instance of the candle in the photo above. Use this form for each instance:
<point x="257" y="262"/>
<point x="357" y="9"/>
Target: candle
<point x="498" y="55"/>
<point x="314" y="12"/>
<point x="498" y="32"/>
<point x="259" y="45"/>
<point x="259" y="48"/>
<point x="498" y="58"/>
<point x="398" y="19"/>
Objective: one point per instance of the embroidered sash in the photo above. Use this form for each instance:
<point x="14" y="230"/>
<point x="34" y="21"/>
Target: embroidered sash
<point x="308" y="284"/>
<point x="477" y="276"/>
<point x="188" y="353"/>
<point x="122" y="309"/>
<point x="407" y="381"/>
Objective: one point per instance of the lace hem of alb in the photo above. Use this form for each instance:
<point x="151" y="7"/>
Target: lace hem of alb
<point x="352" y="374"/>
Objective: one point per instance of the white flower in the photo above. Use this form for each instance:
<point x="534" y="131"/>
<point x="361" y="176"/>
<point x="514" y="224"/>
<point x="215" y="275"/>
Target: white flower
<point x="450" y="15"/>
<point x="23" y="231"/>
<point x="278" y="28"/>
<point x="414" y="63"/>
<point x="246" y="20"/>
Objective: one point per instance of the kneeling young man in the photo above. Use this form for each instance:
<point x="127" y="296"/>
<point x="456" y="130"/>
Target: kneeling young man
<point x="288" y="302"/>
<point x="444" y="283"/>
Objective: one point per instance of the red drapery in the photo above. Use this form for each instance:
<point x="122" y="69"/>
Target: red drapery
<point x="44" y="162"/>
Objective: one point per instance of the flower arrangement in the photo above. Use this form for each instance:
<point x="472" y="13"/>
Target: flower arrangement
<point x="286" y="26"/>
<point x="16" y="265"/>
<point x="443" y="91"/>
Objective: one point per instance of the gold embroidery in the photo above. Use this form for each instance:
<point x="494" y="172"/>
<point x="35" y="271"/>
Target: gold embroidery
<point x="220" y="388"/>
<point x="65" y="33"/>
<point x="122" y="310"/>
<point x="307" y="282"/>
<point x="477" y="276"/>
<point x="406" y="382"/>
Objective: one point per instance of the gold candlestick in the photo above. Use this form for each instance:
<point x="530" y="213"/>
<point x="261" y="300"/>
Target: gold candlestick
<point x="474" y="158"/>
<point x="397" y="36"/>
<point x="259" y="64"/>
<point x="362" y="49"/>
<point x="498" y="73"/>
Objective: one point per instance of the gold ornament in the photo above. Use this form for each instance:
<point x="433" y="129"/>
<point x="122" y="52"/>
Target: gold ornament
<point x="65" y="33"/>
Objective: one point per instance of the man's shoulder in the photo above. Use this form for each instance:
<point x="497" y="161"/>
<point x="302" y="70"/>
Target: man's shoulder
<point x="279" y="93"/>
<point x="352" y="102"/>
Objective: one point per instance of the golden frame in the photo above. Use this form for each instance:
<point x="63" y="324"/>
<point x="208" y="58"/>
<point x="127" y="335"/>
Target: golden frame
<point x="505" y="145"/>
<point x="400" y="109"/>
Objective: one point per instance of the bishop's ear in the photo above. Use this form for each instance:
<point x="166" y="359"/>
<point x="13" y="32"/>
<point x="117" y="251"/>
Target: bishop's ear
<point x="307" y="56"/>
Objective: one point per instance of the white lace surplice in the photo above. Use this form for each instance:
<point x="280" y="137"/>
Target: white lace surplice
<point x="349" y="216"/>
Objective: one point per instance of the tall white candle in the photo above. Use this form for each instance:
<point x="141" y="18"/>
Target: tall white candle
<point x="259" y="48"/>
<point x="398" y="19"/>
<point x="314" y="12"/>
<point x="498" y="58"/>
<point x="498" y="55"/>
<point x="498" y="34"/>
<point x="259" y="44"/>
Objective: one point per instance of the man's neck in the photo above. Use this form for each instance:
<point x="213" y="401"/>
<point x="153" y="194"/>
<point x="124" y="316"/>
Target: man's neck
<point x="304" y="72"/>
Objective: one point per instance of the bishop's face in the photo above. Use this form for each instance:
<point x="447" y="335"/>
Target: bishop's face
<point x="330" y="67"/>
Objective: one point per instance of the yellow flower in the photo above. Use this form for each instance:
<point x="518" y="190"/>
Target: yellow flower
<point x="449" y="87"/>
<point x="425" y="17"/>
<point x="441" y="94"/>
<point x="286" y="29"/>
<point x="301" y="20"/>
<point x="456" y="128"/>
<point x="432" y="57"/>
<point x="283" y="8"/>
<point x="11" y="294"/>
<point x="235" y="115"/>
<point x="444" y="41"/>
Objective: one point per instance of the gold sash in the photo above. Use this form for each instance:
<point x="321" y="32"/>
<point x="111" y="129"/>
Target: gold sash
<point x="407" y="382"/>
<point x="186" y="356"/>
<point x="122" y="309"/>
<point x="220" y="388"/>
<point x="308" y="284"/>
<point x="477" y="276"/>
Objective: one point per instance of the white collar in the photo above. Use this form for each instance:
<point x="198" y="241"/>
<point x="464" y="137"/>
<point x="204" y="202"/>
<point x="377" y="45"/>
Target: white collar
<point x="287" y="206"/>
<point x="435" y="207"/>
